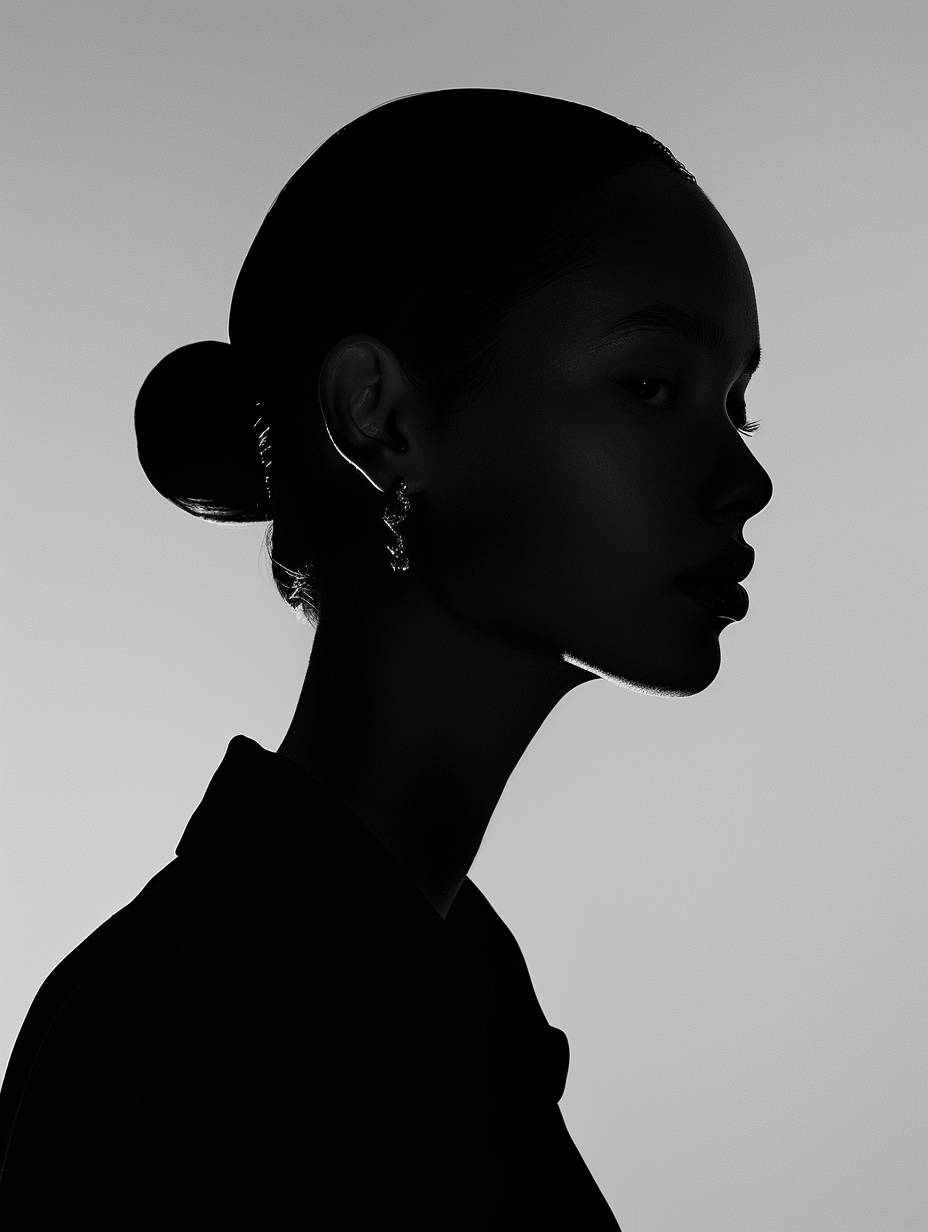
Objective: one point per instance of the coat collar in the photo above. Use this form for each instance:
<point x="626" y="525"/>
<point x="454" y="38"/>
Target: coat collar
<point x="270" y="818"/>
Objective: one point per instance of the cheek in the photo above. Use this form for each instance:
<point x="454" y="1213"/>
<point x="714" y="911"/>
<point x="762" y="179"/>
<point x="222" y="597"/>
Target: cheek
<point x="606" y="517"/>
<point x="559" y="525"/>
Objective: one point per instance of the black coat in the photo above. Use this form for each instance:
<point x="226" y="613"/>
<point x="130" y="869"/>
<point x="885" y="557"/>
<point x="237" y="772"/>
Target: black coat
<point x="280" y="1027"/>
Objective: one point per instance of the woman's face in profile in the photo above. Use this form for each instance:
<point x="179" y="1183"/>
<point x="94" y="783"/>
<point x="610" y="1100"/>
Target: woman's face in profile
<point x="594" y="470"/>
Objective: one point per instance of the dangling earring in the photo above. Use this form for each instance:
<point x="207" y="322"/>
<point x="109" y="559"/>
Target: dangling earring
<point x="395" y="512"/>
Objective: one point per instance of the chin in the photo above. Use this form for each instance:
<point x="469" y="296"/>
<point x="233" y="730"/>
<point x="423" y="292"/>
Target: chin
<point x="675" y="676"/>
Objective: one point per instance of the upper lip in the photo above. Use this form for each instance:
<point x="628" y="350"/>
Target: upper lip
<point x="731" y="566"/>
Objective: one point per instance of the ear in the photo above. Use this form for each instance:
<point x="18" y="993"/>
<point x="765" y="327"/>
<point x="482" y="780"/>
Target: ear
<point x="367" y="404"/>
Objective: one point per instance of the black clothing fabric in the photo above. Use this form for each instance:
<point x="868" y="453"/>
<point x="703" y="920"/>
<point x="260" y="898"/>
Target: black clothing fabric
<point x="280" y="1029"/>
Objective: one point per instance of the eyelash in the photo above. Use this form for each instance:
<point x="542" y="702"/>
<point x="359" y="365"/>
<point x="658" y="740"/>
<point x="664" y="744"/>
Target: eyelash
<point x="745" y="429"/>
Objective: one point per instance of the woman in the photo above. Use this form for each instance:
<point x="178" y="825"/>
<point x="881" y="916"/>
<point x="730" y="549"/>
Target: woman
<point x="486" y="380"/>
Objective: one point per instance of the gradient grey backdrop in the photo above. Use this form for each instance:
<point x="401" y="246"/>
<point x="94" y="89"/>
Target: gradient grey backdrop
<point x="721" y="899"/>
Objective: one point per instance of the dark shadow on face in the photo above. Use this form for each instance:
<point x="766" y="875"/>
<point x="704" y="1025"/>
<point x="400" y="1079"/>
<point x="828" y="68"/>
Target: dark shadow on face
<point x="595" y="470"/>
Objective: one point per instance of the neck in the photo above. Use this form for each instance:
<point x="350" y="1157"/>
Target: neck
<point x="416" y="721"/>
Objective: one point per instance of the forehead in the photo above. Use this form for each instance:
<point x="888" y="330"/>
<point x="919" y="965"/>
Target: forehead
<point x="648" y="234"/>
<point x="658" y="236"/>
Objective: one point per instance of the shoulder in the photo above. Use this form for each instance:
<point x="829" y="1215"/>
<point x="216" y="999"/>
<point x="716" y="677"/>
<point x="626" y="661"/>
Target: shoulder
<point x="190" y="977"/>
<point x="219" y="964"/>
<point x="199" y="1033"/>
<point x="224" y="1049"/>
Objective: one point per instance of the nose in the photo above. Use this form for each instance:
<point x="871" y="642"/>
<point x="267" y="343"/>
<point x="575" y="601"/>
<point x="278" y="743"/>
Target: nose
<point x="752" y="488"/>
<point x="764" y="489"/>
<point x="749" y="490"/>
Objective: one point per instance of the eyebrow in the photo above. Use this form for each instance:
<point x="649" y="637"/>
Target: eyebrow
<point x="663" y="316"/>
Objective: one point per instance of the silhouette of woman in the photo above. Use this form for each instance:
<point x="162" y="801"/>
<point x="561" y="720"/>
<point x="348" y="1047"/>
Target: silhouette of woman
<point x="486" y="381"/>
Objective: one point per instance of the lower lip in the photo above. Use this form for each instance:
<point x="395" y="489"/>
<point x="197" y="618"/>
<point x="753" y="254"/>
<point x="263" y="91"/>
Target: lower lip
<point x="730" y="602"/>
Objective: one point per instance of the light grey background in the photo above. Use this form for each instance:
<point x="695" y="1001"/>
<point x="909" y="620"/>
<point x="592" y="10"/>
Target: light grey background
<point x="721" y="899"/>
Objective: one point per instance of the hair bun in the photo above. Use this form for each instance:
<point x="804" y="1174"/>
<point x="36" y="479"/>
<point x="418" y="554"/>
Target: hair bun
<point x="197" y="443"/>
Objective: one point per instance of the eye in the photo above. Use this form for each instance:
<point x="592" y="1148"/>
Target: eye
<point x="638" y="382"/>
<point x="745" y="427"/>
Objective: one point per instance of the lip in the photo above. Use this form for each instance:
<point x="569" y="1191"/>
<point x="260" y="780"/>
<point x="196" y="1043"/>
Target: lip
<point x="725" y="599"/>
<point x="728" y="567"/>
